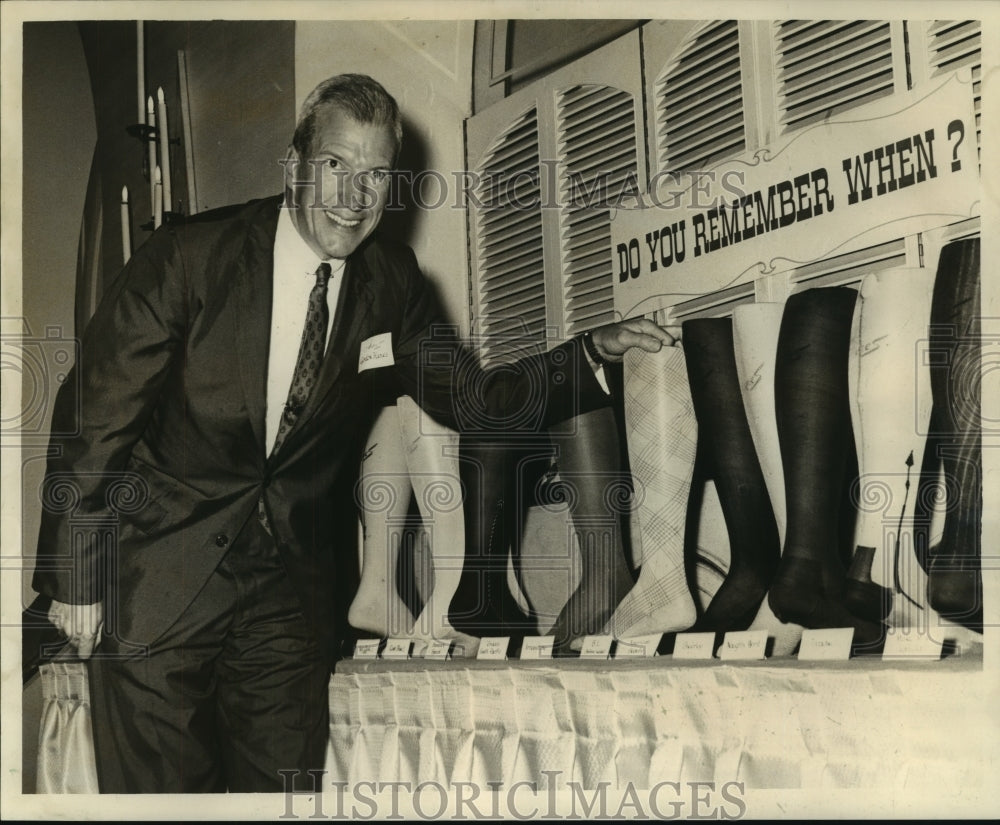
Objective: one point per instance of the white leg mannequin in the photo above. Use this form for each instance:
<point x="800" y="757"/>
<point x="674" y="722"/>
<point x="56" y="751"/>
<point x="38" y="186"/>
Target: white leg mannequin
<point x="385" y="499"/>
<point x="755" y="339"/>
<point x="662" y="437"/>
<point x="891" y="406"/>
<point x="431" y="452"/>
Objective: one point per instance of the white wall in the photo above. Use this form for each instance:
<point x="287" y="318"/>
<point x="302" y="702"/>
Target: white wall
<point x="427" y="67"/>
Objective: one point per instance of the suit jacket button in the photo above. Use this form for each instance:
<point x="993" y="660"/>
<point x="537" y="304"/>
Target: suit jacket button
<point x="221" y="540"/>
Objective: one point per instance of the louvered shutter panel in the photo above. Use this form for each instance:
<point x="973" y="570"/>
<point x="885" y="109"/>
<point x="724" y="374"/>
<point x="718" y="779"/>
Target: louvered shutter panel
<point x="850" y="268"/>
<point x="955" y="45"/>
<point x="509" y="243"/>
<point x="699" y="102"/>
<point x="829" y="66"/>
<point x="597" y="147"/>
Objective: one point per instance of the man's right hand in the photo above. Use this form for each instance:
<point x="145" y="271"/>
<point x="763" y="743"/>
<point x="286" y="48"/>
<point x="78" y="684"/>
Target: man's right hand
<point x="80" y="623"/>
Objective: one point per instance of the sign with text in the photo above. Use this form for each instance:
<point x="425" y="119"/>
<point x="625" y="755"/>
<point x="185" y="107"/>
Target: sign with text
<point x="744" y="644"/>
<point x="825" y="645"/>
<point x="596" y="647"/>
<point x="895" y="167"/>
<point x="537" y="647"/>
<point x="694" y="646"/>
<point x="637" y="646"/>
<point x="493" y="647"/>
<point x="397" y="649"/>
<point x="366" y="648"/>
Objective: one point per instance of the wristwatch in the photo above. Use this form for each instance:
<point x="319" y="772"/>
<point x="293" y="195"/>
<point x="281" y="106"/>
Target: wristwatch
<point x="592" y="351"/>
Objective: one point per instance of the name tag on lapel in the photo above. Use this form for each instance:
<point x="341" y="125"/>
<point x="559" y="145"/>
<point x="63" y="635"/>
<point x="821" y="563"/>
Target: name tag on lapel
<point x="376" y="352"/>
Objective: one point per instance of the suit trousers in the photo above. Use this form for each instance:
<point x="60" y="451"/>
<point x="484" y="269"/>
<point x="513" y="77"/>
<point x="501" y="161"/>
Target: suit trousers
<point x="232" y="697"/>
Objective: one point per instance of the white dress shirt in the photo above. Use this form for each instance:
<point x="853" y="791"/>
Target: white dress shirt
<point x="295" y="267"/>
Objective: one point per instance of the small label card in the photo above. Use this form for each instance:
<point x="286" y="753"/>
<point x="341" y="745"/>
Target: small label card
<point x="366" y="648"/>
<point x="744" y="644"/>
<point x="694" y="645"/>
<point x="638" y="646"/>
<point x="397" y="649"/>
<point x="910" y="644"/>
<point x="596" y="647"/>
<point x="438" y="649"/>
<point x="537" y="647"/>
<point x="376" y="352"/>
<point x="493" y="647"/>
<point x="829" y="644"/>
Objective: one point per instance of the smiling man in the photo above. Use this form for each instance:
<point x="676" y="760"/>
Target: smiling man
<point x="223" y="401"/>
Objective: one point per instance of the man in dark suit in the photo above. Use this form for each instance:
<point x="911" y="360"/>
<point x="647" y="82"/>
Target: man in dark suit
<point x="224" y="387"/>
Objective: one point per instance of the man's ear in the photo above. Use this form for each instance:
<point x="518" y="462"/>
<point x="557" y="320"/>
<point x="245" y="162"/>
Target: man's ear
<point x="291" y="164"/>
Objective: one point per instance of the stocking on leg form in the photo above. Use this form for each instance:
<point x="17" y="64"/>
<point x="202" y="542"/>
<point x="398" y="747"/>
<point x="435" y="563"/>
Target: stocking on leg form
<point x="662" y="436"/>
<point x="813" y="417"/>
<point x="955" y="587"/>
<point x="755" y="344"/>
<point x="589" y="463"/>
<point x="431" y="451"/>
<point x="483" y="604"/>
<point x="724" y="434"/>
<point x="890" y="412"/>
<point x="385" y="500"/>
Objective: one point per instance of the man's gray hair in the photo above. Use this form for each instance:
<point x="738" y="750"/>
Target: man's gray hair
<point x="363" y="98"/>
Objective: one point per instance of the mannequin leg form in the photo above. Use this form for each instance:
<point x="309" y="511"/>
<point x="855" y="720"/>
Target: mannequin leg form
<point x="955" y="587"/>
<point x="662" y="437"/>
<point x="483" y="604"/>
<point x="813" y="418"/>
<point x="732" y="462"/>
<point x="588" y="459"/>
<point x="431" y="451"/>
<point x="890" y="422"/>
<point x="385" y="499"/>
<point x="755" y="344"/>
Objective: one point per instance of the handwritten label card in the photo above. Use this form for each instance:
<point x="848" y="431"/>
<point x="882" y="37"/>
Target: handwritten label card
<point x="744" y="644"/>
<point x="493" y="647"/>
<point x="829" y="644"/>
<point x="366" y="648"/>
<point x="596" y="647"/>
<point x="397" y="649"/>
<point x="694" y="645"/>
<point x="376" y="352"/>
<point x="910" y="643"/>
<point x="537" y="647"/>
<point x="438" y="649"/>
<point x="638" y="646"/>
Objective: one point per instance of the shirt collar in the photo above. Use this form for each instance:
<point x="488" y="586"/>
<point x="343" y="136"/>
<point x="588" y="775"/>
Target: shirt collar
<point x="292" y="254"/>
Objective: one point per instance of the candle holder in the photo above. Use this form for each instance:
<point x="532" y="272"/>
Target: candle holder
<point x="169" y="218"/>
<point x="148" y="134"/>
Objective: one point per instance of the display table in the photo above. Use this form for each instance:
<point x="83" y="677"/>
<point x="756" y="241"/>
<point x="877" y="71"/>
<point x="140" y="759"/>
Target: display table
<point x="769" y="724"/>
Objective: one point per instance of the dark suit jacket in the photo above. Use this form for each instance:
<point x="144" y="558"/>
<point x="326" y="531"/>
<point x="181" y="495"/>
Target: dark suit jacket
<point x="170" y="392"/>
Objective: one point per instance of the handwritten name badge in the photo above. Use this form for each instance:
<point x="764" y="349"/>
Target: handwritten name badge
<point x="694" y="645"/>
<point x="744" y="644"/>
<point x="638" y="646"/>
<point x="376" y="352"/>
<point x="397" y="649"/>
<point x="366" y="649"/>
<point x="596" y="647"/>
<point x="537" y="647"/>
<point x="493" y="647"/>
<point x="829" y="644"/>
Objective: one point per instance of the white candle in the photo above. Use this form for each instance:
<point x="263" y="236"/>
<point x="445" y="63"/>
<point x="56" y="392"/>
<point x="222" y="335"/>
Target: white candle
<point x="140" y="43"/>
<point x="192" y="187"/>
<point x="161" y="119"/>
<point x="157" y="199"/>
<point x="126" y="227"/>
<point x="151" y="148"/>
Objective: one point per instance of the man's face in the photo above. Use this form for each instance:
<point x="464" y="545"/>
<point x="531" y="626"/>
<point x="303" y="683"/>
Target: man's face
<point x="350" y="164"/>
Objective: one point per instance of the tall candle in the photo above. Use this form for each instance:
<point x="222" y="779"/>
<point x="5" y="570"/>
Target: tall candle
<point x="161" y="119"/>
<point x="151" y="147"/>
<point x="192" y="188"/>
<point x="140" y="43"/>
<point x="126" y="227"/>
<point x="157" y="199"/>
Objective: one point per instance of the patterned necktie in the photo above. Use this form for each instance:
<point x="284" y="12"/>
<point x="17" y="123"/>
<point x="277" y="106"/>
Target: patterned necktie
<point x="307" y="367"/>
<point x="310" y="357"/>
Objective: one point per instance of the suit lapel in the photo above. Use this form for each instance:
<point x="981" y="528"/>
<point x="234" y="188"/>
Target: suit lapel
<point x="252" y="287"/>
